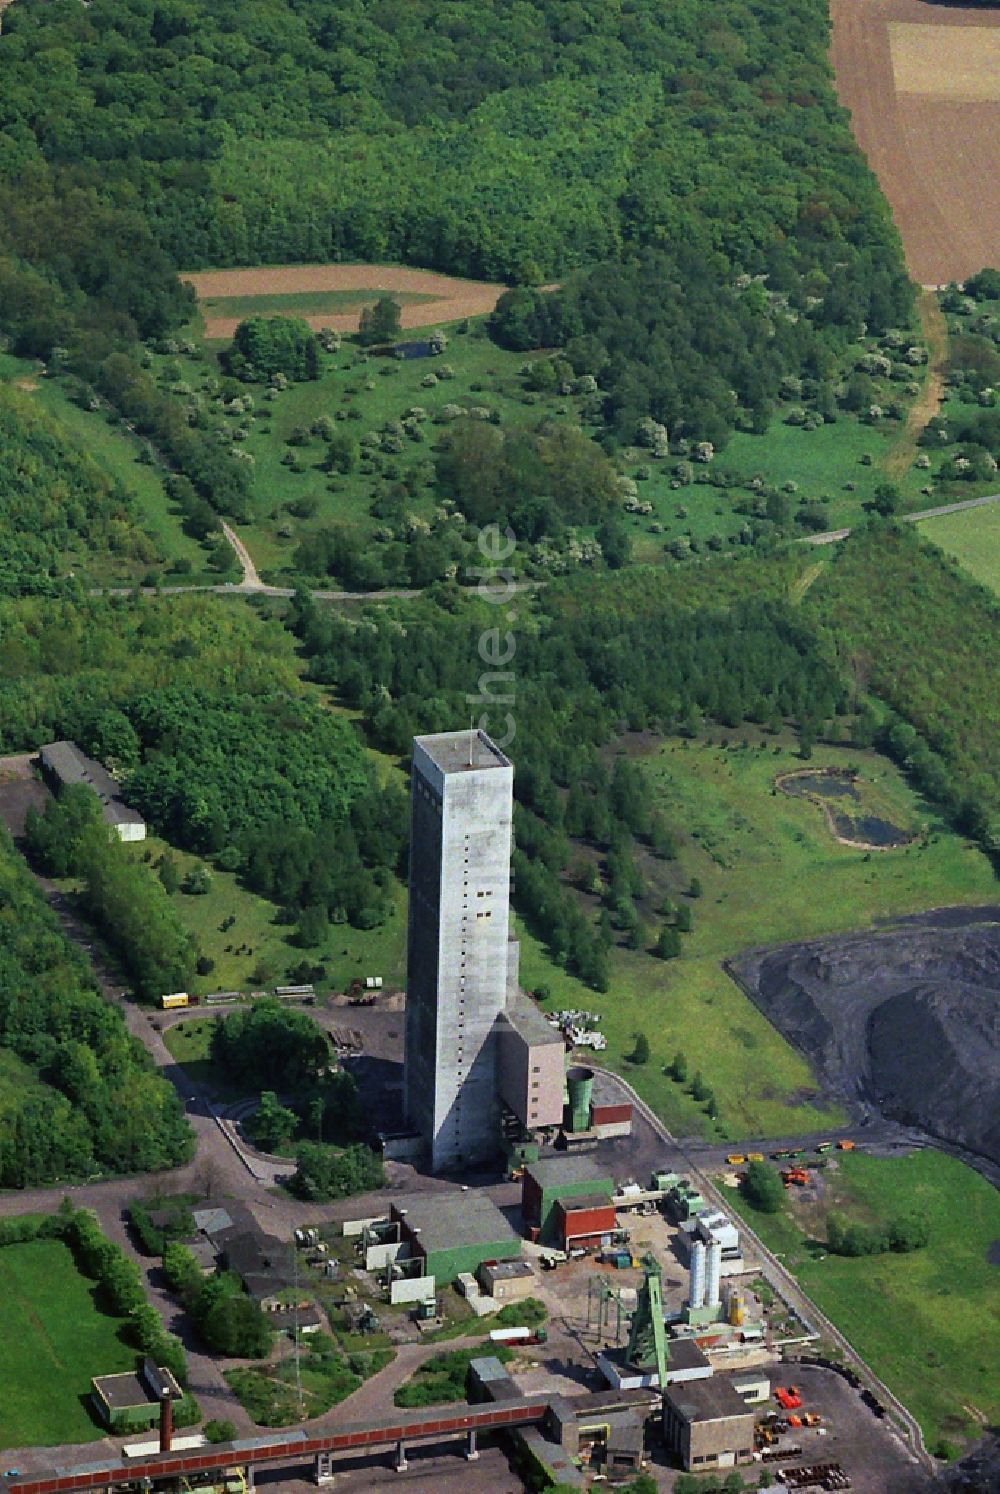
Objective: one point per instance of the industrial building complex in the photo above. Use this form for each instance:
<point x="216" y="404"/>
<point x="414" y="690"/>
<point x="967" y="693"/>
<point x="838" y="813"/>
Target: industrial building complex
<point x="640" y="1331"/>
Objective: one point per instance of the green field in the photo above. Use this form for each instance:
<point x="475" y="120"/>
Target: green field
<point x="770" y="871"/>
<point x="926" y="1322"/>
<point x="303" y="303"/>
<point x="971" y="537"/>
<point x="257" y="951"/>
<point x="484" y="374"/>
<point x="54" y="1341"/>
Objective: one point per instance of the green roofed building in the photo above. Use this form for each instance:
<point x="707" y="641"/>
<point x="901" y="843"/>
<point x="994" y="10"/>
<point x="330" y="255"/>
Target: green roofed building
<point x="553" y="1178"/>
<point x="131" y="1402"/>
<point x="455" y="1232"/>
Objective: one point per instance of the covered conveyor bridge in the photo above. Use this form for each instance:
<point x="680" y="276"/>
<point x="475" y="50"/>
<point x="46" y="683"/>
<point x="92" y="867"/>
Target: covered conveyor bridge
<point x="433" y="1424"/>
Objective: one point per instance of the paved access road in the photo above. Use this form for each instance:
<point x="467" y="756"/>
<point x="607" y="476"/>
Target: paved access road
<point x="831" y="536"/>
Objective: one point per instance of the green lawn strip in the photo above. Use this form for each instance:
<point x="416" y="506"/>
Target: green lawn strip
<point x="971" y="537"/>
<point x="770" y="871"/>
<point x="926" y="1322"/>
<point x="305" y="303"/>
<point x="255" y="938"/>
<point x="54" y="1341"/>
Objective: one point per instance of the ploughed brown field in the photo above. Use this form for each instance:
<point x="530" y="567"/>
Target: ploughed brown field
<point x="922" y="83"/>
<point x="435" y="298"/>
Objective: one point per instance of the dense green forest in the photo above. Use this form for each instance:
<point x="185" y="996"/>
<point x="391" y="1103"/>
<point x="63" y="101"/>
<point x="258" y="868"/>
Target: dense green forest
<point x="127" y="902"/>
<point x="229" y="758"/>
<point x="695" y="188"/>
<point x="56" y="504"/>
<point x="66" y="665"/>
<point x="80" y="1094"/>
<point x="918" y="632"/>
<point x="441" y="133"/>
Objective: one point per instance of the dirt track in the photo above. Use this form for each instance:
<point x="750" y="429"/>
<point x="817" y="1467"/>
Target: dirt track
<point x="934" y="147"/>
<point x="453" y="298"/>
<point x="927" y="404"/>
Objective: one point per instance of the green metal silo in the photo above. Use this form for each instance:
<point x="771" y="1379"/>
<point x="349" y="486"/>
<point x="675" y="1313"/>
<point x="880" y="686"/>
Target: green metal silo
<point x="580" y="1087"/>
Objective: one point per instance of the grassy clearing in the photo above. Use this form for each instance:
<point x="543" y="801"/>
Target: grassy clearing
<point x="303" y="303"/>
<point x="257" y="949"/>
<point x="483" y="373"/>
<point x="54" y="1340"/>
<point x="926" y="1322"/>
<point x="770" y="871"/>
<point x="973" y="539"/>
<point x="270" y="1394"/>
<point x="821" y="463"/>
<point x="190" y="1043"/>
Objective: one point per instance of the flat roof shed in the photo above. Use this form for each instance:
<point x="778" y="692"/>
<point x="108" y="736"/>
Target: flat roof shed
<point x="552" y="1179"/>
<point x="455" y="1232"/>
<point x="63" y="764"/>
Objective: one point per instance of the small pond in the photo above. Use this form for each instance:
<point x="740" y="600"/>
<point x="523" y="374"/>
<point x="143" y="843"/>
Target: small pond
<point x="833" y="791"/>
<point x="870" y="830"/>
<point x="819" y="786"/>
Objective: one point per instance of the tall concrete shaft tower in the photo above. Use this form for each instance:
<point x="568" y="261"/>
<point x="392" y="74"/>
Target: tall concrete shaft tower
<point x="457" y="957"/>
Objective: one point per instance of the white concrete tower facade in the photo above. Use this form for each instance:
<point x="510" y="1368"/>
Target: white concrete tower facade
<point x="461" y="810"/>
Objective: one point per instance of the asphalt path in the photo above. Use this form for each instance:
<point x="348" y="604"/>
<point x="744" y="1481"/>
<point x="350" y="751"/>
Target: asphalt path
<point x="499" y="593"/>
<point x="831" y="536"/>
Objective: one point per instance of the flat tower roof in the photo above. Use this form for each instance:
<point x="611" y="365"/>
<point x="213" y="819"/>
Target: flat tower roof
<point x="462" y="751"/>
<point x="450" y="1220"/>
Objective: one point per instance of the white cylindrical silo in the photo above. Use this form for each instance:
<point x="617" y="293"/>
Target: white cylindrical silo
<point x="696" y="1297"/>
<point x="713" y="1274"/>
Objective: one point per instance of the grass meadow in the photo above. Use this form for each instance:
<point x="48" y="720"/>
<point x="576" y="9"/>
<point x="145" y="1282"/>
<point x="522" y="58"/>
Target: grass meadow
<point x="770" y="870"/>
<point x="971" y="537"/>
<point x="55" y="1339"/>
<point x="926" y="1322"/>
<point x="303" y="303"/>
<point x="259" y="944"/>
<point x="370" y="391"/>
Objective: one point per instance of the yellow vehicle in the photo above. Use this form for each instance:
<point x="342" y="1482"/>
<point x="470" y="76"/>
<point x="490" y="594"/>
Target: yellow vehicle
<point x="179" y="998"/>
<point x="736" y="1159"/>
<point x="755" y="1156"/>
